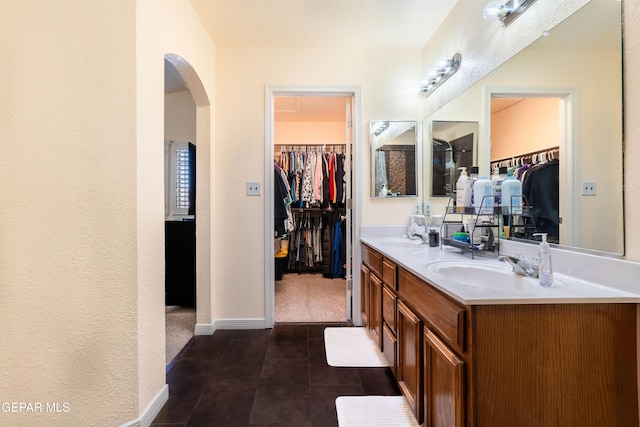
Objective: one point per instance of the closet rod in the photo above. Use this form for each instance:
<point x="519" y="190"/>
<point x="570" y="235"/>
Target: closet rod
<point x="555" y="151"/>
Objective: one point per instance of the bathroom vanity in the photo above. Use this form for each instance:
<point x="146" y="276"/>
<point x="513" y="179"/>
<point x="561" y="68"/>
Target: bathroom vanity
<point x="505" y="353"/>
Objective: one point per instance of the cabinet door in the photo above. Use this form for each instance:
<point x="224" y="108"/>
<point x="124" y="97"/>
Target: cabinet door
<point x="409" y="336"/>
<point x="364" y="294"/>
<point x="443" y="384"/>
<point x="375" y="308"/>
<point x="389" y="308"/>
<point x="390" y="347"/>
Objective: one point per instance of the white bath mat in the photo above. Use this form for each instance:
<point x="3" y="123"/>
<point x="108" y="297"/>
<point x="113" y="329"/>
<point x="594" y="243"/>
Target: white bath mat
<point x="352" y="347"/>
<point x="371" y="411"/>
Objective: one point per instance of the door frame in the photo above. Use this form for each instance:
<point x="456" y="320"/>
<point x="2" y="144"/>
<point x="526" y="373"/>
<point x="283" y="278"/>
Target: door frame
<point x="569" y="147"/>
<point x="356" y="188"/>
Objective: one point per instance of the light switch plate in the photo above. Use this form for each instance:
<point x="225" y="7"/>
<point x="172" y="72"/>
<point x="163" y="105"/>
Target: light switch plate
<point x="253" y="188"/>
<point x="588" y="188"/>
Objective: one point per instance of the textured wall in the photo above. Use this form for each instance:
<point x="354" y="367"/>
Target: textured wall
<point x="485" y="45"/>
<point x="387" y="92"/>
<point x="632" y="127"/>
<point x="171" y="28"/>
<point x="68" y="260"/>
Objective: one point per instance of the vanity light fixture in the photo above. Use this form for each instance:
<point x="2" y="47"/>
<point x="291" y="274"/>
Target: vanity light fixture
<point x="505" y="12"/>
<point x="446" y="68"/>
<point x="379" y="128"/>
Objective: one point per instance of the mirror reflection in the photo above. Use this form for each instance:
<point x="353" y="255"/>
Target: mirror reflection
<point x="452" y="147"/>
<point x="577" y="71"/>
<point x="393" y="158"/>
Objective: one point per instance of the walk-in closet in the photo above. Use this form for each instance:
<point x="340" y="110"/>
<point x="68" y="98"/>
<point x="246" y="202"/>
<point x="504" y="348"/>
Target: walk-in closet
<point x="311" y="185"/>
<point x="525" y="143"/>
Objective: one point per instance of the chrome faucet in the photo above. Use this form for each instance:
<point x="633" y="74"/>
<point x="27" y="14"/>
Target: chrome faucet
<point x="521" y="265"/>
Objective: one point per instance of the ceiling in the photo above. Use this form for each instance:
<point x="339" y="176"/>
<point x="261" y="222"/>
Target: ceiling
<point x="356" y="23"/>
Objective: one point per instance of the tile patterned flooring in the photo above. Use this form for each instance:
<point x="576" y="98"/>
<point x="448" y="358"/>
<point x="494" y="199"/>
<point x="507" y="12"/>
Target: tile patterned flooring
<point x="271" y="377"/>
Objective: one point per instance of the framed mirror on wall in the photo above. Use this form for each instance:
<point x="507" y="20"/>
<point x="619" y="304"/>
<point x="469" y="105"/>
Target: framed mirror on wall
<point x="393" y="158"/>
<point x="573" y="75"/>
<point x="453" y="145"/>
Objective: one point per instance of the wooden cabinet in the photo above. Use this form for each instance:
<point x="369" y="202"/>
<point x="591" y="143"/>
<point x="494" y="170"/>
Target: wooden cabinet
<point x="390" y="347"/>
<point x="502" y="365"/>
<point x="443" y="384"/>
<point x="389" y="315"/>
<point x="375" y="308"/>
<point x="364" y="294"/>
<point x="409" y="356"/>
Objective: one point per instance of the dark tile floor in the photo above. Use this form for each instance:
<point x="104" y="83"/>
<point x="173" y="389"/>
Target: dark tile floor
<point x="272" y="377"/>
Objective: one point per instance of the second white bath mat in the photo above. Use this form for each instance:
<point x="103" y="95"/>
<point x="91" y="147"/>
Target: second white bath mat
<point x="352" y="347"/>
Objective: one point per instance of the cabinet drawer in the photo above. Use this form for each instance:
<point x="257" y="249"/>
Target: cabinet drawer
<point x="372" y="259"/>
<point x="444" y="315"/>
<point x="389" y="273"/>
<point x="389" y="308"/>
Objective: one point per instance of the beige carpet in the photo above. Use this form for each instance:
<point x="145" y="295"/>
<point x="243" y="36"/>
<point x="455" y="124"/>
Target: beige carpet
<point x="180" y="325"/>
<point x="310" y="298"/>
<point x="352" y="347"/>
<point x="372" y="411"/>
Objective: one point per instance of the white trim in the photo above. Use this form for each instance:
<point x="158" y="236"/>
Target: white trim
<point x="256" y="323"/>
<point x="569" y="180"/>
<point x="152" y="410"/>
<point x="269" y="280"/>
<point x="204" y="329"/>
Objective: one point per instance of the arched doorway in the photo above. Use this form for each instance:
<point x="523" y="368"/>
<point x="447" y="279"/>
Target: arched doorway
<point x="193" y="108"/>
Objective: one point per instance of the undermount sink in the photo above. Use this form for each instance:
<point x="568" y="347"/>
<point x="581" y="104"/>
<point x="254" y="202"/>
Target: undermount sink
<point x="490" y="276"/>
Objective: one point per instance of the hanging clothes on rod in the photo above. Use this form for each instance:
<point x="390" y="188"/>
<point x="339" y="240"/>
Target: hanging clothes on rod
<point x="539" y="172"/>
<point x="316" y="175"/>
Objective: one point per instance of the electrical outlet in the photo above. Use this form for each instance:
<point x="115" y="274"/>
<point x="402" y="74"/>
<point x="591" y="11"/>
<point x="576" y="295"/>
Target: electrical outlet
<point x="253" y="188"/>
<point x="417" y="208"/>
<point x="426" y="208"/>
<point x="588" y="188"/>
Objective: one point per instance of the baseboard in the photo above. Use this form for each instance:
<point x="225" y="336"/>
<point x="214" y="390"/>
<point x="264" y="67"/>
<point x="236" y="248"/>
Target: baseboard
<point x="204" y="329"/>
<point x="152" y="410"/>
<point x="210" y="328"/>
<point x="256" y="323"/>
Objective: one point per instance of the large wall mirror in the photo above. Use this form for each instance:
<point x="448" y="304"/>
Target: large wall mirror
<point x="453" y="145"/>
<point x="393" y="158"/>
<point x="560" y="100"/>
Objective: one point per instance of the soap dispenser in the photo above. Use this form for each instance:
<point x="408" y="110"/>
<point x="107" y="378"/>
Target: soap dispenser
<point x="545" y="271"/>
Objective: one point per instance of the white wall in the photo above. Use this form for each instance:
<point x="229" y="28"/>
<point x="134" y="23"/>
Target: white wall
<point x="485" y="45"/>
<point x="179" y="117"/>
<point x="82" y="271"/>
<point x="68" y="269"/>
<point x="632" y="127"/>
<point x="168" y="27"/>
<point x="387" y="78"/>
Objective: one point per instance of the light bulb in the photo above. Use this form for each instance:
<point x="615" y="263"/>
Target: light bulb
<point x="495" y="9"/>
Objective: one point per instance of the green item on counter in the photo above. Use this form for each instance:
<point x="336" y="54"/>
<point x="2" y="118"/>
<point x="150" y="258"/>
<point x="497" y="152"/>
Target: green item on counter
<point x="461" y="236"/>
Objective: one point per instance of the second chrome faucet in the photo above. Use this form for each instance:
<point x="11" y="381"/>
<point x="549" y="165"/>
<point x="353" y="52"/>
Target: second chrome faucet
<point x="521" y="265"/>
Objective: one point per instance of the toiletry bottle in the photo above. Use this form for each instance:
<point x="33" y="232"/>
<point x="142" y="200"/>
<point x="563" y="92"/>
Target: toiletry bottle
<point x="545" y="270"/>
<point x="463" y="191"/>
<point x="498" y="177"/>
<point x="483" y="196"/>
<point x="512" y="195"/>
<point x="473" y="177"/>
<point x="383" y="191"/>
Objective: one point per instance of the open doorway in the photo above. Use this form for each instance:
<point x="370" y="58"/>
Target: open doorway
<point x="311" y="146"/>
<point x="531" y="138"/>
<point x="180" y="213"/>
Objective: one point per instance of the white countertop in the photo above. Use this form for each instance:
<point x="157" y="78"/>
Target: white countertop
<point x="416" y="257"/>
